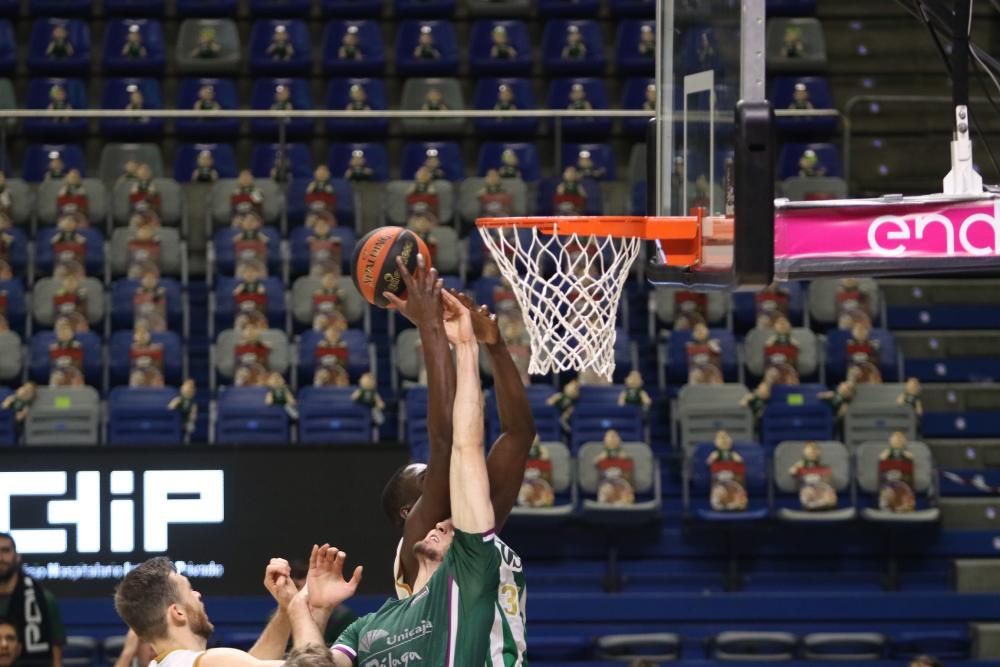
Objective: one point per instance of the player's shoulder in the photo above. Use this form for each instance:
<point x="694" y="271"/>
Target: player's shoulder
<point x="508" y="557"/>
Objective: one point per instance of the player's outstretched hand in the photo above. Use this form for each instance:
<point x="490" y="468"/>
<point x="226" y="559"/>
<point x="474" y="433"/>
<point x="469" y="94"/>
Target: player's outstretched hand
<point x="484" y="323"/>
<point x="423" y="293"/>
<point x="457" y="321"/>
<point x="278" y="581"/>
<point x="327" y="586"/>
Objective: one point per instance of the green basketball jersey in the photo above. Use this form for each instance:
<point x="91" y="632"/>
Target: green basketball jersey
<point x="508" y="645"/>
<point x="447" y="623"/>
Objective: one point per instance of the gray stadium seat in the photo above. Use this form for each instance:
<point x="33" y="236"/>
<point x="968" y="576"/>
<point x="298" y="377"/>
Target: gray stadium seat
<point x="8" y="100"/>
<point x="170" y="251"/>
<point x="753" y="350"/>
<point x="985" y="640"/>
<point x="836" y="457"/>
<point x="368" y="201"/>
<point x="969" y="513"/>
<point x="651" y="646"/>
<point x="114" y="157"/>
<point x="395" y="201"/>
<point x="222" y="191"/>
<point x="414" y="92"/>
<point x="41" y="301"/>
<point x="814" y="58"/>
<point x="468" y="197"/>
<point x="977" y="575"/>
<point x="822" y="300"/>
<point x="875" y="415"/>
<point x="170" y="202"/>
<point x="703" y="409"/>
<point x="22" y="201"/>
<point x="498" y="8"/>
<point x="64" y="416"/>
<point x="843" y="646"/>
<point x="661" y="302"/>
<point x="80" y="651"/>
<point x="562" y="481"/>
<point x="97" y="201"/>
<point x="799" y="188"/>
<point x="228" y="37"/>
<point x="111" y="648"/>
<point x="11" y="358"/>
<point x="225" y="346"/>
<point x="447" y="255"/>
<point x="646" y="479"/>
<point x="302" y="300"/>
<point x="866" y="472"/>
<point x="408" y="360"/>
<point x="637" y="164"/>
<point x="755" y="646"/>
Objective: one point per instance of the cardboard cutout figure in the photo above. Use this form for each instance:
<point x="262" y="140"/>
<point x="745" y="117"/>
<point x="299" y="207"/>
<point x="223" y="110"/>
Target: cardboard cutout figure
<point x="772" y="304"/>
<point x="634" y="394"/>
<point x="704" y="357"/>
<point x="328" y="304"/>
<point x="728" y="488"/>
<point x="149" y="303"/>
<point x="20" y="402"/>
<point x="184" y="403"/>
<point x="895" y="474"/>
<point x="146" y="360"/>
<point x="252" y="356"/>
<point x="781" y="354"/>
<point x="65" y="358"/>
<point x="494" y="200"/>
<point x="565" y="401"/>
<point x="536" y="488"/>
<point x="758" y="399"/>
<point x="69" y="303"/>
<point x="331" y="359"/>
<point x="911" y="397"/>
<point x="367" y="394"/>
<point x="615" y="472"/>
<point x="863" y="355"/>
<point x="279" y="394"/>
<point x="816" y="492"/>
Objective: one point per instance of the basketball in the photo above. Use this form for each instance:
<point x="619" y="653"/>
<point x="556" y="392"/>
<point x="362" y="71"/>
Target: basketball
<point x="374" y="263"/>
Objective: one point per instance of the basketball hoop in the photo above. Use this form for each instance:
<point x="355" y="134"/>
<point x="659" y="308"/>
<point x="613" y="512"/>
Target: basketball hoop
<point x="567" y="274"/>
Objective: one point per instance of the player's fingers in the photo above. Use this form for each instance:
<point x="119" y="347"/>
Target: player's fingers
<point x="405" y="273"/>
<point x="394" y="301"/>
<point x="356" y="577"/>
<point x="314" y="557"/>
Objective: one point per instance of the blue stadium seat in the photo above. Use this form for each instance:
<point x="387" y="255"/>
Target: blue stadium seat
<point x="486" y="97"/>
<point x="298" y="240"/>
<point x="633" y="97"/>
<point x="225" y="254"/>
<point x="327" y="415"/>
<point x="295" y="202"/>
<point x="120" y="365"/>
<point x="10" y="8"/>
<point x="338" y="97"/>
<point x="416" y="423"/>
<point x="375" y="155"/>
<point x="36" y="160"/>
<point x="554" y="39"/>
<point x="8" y="52"/>
<point x="358" y="360"/>
<point x="820" y="97"/>
<point x="187" y="158"/>
<point x="78" y="34"/>
<point x="829" y="159"/>
<point x="262" y="97"/>
<point x="700" y="51"/>
<point x="527" y="154"/>
<point x="570" y="9"/>
<point x="600" y="154"/>
<point x="115" y="36"/>
<point x="627" y="55"/>
<point x="56" y="129"/>
<point x="225" y="304"/>
<point x="123" y="309"/>
<point x="590" y="424"/>
<point x="633" y="8"/>
<point x="594" y="204"/>
<point x="18" y="252"/>
<point x="367" y="9"/>
<point x="116" y="96"/>
<point x="445" y="43"/>
<point x="546" y="416"/>
<point x="795" y="413"/>
<point x="244" y="418"/>
<point x="637" y="198"/>
<point x="792" y="8"/>
<point x="424" y="9"/>
<point x="140" y="416"/>
<point x="586" y="129"/>
<point x="677" y="360"/>
<point x="264" y="158"/>
<point x="12" y="293"/>
<point x="40" y="364"/>
<point x="203" y="129"/>
<point x="481" y="61"/>
<point x="8" y="424"/>
<point x="79" y="8"/>
<point x="281" y="8"/>
<point x="449" y="152"/>
<point x="93" y="260"/>
<point x="133" y="8"/>
<point x="370" y="44"/>
<point x="745" y="307"/>
<point x="300" y="62"/>
<point x="207" y="9"/>
<point x="699" y="481"/>
<point x="836" y="354"/>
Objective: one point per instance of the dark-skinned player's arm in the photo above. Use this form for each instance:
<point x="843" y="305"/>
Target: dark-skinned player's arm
<point x="509" y="454"/>
<point x="423" y="307"/>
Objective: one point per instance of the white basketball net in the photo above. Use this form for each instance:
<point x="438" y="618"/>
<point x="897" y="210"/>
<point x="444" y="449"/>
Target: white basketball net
<point x="568" y="288"/>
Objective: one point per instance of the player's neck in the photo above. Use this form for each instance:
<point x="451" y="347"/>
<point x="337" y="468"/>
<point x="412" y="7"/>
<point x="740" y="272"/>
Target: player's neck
<point x="180" y="639"/>
<point x="425" y="571"/>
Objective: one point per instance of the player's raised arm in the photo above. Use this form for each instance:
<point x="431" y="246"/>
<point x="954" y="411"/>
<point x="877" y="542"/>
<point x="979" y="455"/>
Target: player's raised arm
<point x="471" y="507"/>
<point x="509" y="454"/>
<point x="423" y="307"/>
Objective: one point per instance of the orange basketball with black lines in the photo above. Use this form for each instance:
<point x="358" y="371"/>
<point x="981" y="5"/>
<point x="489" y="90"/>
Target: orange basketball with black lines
<point x="374" y="266"/>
